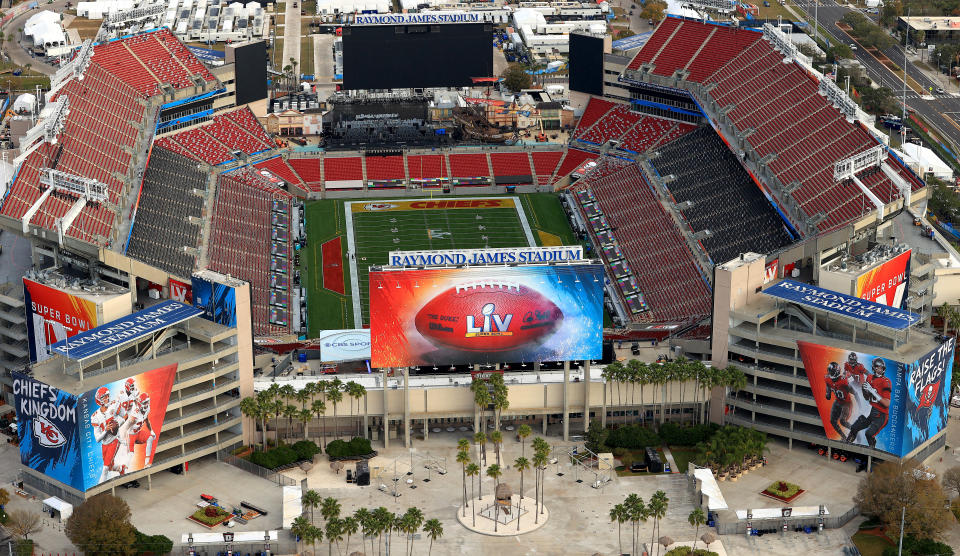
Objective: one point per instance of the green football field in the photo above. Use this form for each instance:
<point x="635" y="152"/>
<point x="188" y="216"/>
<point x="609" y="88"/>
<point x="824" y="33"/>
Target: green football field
<point x="378" y="227"/>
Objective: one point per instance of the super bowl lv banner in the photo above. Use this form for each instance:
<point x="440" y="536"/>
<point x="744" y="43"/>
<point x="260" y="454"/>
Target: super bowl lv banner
<point x="54" y="315"/>
<point x="886" y="283"/>
<point x="877" y="402"/>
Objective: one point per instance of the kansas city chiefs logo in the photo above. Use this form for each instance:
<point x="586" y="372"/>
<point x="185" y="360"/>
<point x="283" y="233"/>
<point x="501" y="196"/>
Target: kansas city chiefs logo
<point x="47" y="434"/>
<point x="379" y="206"/>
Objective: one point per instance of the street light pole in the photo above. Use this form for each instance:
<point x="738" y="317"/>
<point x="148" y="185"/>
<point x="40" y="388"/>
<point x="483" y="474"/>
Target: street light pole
<point x="903" y="515"/>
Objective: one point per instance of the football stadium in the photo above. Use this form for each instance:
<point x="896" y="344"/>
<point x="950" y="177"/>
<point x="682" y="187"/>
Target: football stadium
<point x="724" y="202"/>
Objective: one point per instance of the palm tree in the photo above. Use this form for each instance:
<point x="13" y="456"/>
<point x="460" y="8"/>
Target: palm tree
<point x="497" y="438"/>
<point x="329" y="508"/>
<point x="356" y="391"/>
<point x="363" y="517"/>
<point x="541" y="448"/>
<point x="954" y="320"/>
<point x="636" y="512"/>
<point x="414" y="520"/>
<point x="319" y="408"/>
<point x="736" y="381"/>
<point x="494" y="473"/>
<point x="349" y="526"/>
<point x="473" y="470"/>
<point x="312" y="500"/>
<point x="252" y="409"/>
<point x="276" y="407"/>
<point x="463" y="458"/>
<point x="335" y="395"/>
<point x="382" y="518"/>
<point x="539" y="464"/>
<point x="334" y="532"/>
<point x="482" y="399"/>
<point x="479" y="438"/>
<point x="300" y="528"/>
<point x="657" y="509"/>
<point x="290" y="412"/>
<point x="434" y="529"/>
<point x="521" y="464"/>
<point x="696" y="518"/>
<point x="500" y="397"/>
<point x="304" y="416"/>
<point x="619" y="515"/>
<point x="639" y="373"/>
<point x="943" y="312"/>
<point x="314" y="535"/>
<point x="302" y="395"/>
<point x="523" y="431"/>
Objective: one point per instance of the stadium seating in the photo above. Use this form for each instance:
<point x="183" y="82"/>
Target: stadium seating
<point x="343" y="169"/>
<point x="173" y="192"/>
<point x="650" y="132"/>
<point x="544" y="164"/>
<point x="510" y="164"/>
<point x="216" y="141"/>
<point x="612" y="125"/>
<point x="469" y="165"/>
<point x="726" y="201"/>
<point x="241" y="224"/>
<point x="573" y="159"/>
<point x="309" y="171"/>
<point x="426" y="166"/>
<point x="197" y="143"/>
<point x="662" y="264"/>
<point x="385" y="168"/>
<point x="595" y="110"/>
<point x="279" y="167"/>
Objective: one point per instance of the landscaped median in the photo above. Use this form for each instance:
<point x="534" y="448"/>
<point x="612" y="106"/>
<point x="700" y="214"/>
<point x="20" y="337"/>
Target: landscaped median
<point x="783" y="491"/>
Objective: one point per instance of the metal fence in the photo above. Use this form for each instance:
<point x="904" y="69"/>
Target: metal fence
<point x="279" y="478"/>
<point x="739" y="527"/>
<point x="284" y="546"/>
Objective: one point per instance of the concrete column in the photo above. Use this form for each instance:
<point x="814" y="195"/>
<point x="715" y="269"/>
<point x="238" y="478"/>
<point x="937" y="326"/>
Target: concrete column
<point x="566" y="401"/>
<point x="386" y="411"/>
<point x="149" y="481"/>
<point x="426" y="429"/>
<point x="586" y="396"/>
<point x="366" y="431"/>
<point x="603" y="408"/>
<point x="406" y="406"/>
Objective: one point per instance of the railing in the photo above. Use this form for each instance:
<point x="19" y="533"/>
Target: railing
<point x="272" y="476"/>
<point x="739" y="527"/>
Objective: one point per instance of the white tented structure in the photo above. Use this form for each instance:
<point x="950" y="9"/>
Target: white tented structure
<point x="923" y="160"/>
<point x="25" y="103"/>
<point x="46" y="33"/>
<point x="215" y="21"/>
<point x="65" y="509"/>
<point x="328" y="9"/>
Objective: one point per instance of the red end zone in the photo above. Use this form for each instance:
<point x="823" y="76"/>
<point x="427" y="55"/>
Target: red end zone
<point x="333" y="265"/>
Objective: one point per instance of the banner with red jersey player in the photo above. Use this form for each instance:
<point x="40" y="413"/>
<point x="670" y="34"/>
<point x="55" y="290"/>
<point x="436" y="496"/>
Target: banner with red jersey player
<point x="104" y="433"/>
<point x="873" y="401"/>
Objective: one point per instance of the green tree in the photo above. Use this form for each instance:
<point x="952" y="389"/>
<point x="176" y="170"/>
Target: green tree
<point x="329" y="508"/>
<point x="596" y="437"/>
<point x="356" y="392"/>
<point x="890" y="12"/>
<point x="619" y="515"/>
<point x="655" y="10"/>
<point x="312" y="500"/>
<point x="523" y="431"/>
<point x="301" y="528"/>
<point x="943" y="312"/>
<point x="657" y="509"/>
<point x="637" y="512"/>
<point x="252" y="409"/>
<point x="516" y="78"/>
<point x="500" y="397"/>
<point x="434" y="529"/>
<point x="100" y="525"/>
<point x="290" y="412"/>
<point x="319" y="408"/>
<point x="697" y="519"/>
<point x="480" y="439"/>
<point x="413" y="520"/>
<point x="334" y="533"/>
<point x="335" y="396"/>
<point x="497" y="438"/>
<point x="521" y="464"/>
<point x="4" y="498"/>
<point x="25" y="523"/>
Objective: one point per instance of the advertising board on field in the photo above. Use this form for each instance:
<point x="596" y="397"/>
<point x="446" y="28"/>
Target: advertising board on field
<point x="500" y="255"/>
<point x="71" y="438"/>
<point x="486" y="314"/>
<point x="868" y="400"/>
<point x="344" y="345"/>
<point x="54" y="315"/>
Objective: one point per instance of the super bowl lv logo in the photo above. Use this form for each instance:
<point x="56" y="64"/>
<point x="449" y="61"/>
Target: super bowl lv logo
<point x="490" y="320"/>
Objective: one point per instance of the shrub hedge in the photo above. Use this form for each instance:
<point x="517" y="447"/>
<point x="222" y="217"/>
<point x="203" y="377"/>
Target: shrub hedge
<point x="638" y="436"/>
<point x="913" y="546"/>
<point x="688" y="551"/>
<point x="152" y="544"/>
<point x="285" y="455"/>
<point x="338" y="449"/>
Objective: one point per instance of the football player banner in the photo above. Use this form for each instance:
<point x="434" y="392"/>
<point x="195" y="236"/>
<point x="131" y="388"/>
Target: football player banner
<point x="99" y="435"/>
<point x="486" y="315"/>
<point x="873" y="401"/>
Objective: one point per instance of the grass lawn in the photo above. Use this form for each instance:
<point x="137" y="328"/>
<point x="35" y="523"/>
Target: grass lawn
<point x="27" y="81"/>
<point x="870" y="545"/>
<point x="640" y="455"/>
<point x="201" y="517"/>
<point x="326" y="310"/>
<point x="783" y="489"/>
<point x="683" y="455"/>
<point x="306" y="55"/>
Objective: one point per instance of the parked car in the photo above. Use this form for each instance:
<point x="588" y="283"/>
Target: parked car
<point x="853" y="46"/>
<point x="940" y="91"/>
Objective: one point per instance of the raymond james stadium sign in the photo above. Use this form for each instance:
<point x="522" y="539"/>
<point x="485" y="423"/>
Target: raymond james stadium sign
<point x="508" y="255"/>
<point x="406" y="19"/>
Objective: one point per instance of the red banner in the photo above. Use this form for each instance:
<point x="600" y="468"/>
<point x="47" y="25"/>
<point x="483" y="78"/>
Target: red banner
<point x="886" y="283"/>
<point x="180" y="291"/>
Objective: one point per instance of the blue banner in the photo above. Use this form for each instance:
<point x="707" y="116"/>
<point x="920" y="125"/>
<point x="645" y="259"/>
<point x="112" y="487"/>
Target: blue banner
<point x="49" y="430"/>
<point x="218" y="301"/>
<point x="927" y="396"/>
<point x="842" y="304"/>
<point x="125" y="329"/>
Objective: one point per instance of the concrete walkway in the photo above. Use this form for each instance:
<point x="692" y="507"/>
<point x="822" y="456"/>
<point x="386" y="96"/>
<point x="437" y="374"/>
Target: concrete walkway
<point x="669" y="455"/>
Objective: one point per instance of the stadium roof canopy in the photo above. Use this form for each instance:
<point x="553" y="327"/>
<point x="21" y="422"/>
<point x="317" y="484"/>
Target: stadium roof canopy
<point x="124" y="330"/>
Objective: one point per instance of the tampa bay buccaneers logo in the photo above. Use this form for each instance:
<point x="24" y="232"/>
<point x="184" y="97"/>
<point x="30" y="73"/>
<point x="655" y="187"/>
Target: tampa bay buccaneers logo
<point x="928" y="395"/>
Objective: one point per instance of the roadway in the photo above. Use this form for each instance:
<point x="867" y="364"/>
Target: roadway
<point x="291" y="37"/>
<point x="941" y="112"/>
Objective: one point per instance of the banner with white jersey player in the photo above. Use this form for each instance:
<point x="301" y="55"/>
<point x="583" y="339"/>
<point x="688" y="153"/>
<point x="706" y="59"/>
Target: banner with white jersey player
<point x="122" y="424"/>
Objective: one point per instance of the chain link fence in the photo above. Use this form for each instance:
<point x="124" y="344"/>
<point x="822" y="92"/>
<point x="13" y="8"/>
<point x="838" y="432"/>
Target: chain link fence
<point x="279" y="478"/>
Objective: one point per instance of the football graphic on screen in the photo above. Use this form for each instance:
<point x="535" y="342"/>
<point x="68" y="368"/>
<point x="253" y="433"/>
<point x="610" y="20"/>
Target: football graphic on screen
<point x="488" y="316"/>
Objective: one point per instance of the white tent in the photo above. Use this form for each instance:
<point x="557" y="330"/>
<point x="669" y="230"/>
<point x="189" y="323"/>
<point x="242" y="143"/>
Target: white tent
<point x="923" y="160"/>
<point x="26" y="101"/>
<point x="44" y="28"/>
<point x="64" y="508"/>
